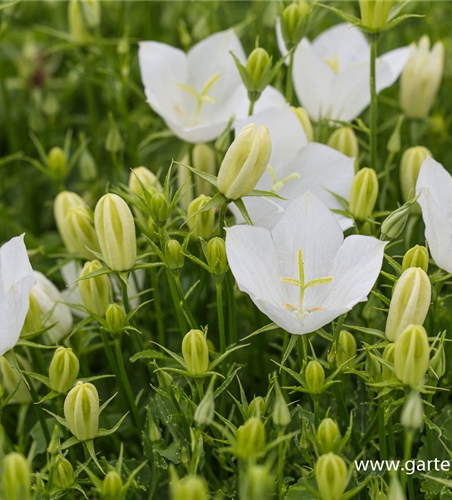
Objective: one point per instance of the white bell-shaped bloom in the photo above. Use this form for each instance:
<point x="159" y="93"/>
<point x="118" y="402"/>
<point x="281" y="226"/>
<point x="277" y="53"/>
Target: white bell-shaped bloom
<point x="303" y="273"/>
<point x="198" y="92"/>
<point x="16" y="281"/>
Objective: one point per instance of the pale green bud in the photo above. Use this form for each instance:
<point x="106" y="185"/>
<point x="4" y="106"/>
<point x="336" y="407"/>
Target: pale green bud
<point x="87" y="166"/>
<point x="114" y="142"/>
<point x="410" y="302"/>
<point x="363" y="193"/>
<point x="328" y="435"/>
<point x="374" y="13"/>
<point x="94" y="292"/>
<point x="12" y="382"/>
<point x="346" y="350"/>
<point x="115" y="229"/>
<point x="395" y="489"/>
<point x="216" y="257"/>
<point x="64" y="476"/>
<point x="112" y="487"/>
<point x="257" y="483"/>
<point x="293" y="22"/>
<point x="412" y="355"/>
<point x="174" y="256"/>
<point x="63" y="370"/>
<point x="245" y="162"/>
<point x="115" y="317"/>
<point x="159" y="209"/>
<point x="438" y="362"/>
<point x="77" y="28"/>
<point x="250" y="438"/>
<point x="410" y="166"/>
<point x="345" y="141"/>
<point x="153" y="430"/>
<point x="190" y="488"/>
<point x="416" y="257"/>
<point x="331" y="476"/>
<point x="195" y="352"/>
<point x="205" y="411"/>
<point x="33" y="319"/>
<point x="257" y="64"/>
<point x="305" y="121"/>
<point x="394" y="224"/>
<point x="257" y="407"/>
<point x="16" y="478"/>
<point x="412" y="415"/>
<point x="314" y="376"/>
<point x="56" y="161"/>
<point x="281" y="412"/>
<point x="54" y="445"/>
<point x="388" y="355"/>
<point x="201" y="225"/>
<point x="164" y="379"/>
<point x="147" y="178"/>
<point x="81" y="410"/>
<point x="204" y="160"/>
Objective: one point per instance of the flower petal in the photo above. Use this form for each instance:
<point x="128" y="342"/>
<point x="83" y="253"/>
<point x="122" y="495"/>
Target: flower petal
<point x="14" y="263"/>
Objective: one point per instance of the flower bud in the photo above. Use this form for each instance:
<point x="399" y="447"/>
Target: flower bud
<point x="245" y="162"/>
<point x="410" y="302"/>
<point x="257" y="483"/>
<point x="115" y="317"/>
<point x="87" y="166"/>
<point x="257" y="64"/>
<point x="257" y="407"/>
<point x="345" y="141"/>
<point x="94" y="292"/>
<point x="411" y="355"/>
<point x="33" y="319"/>
<point x="56" y="161"/>
<point x="204" y="160"/>
<point x="190" y="488"/>
<point x="147" y="178"/>
<point x="174" y="256"/>
<point x="114" y="143"/>
<point x="115" y="229"/>
<point x="250" y="438"/>
<point x="331" y="476"/>
<point x="395" y="222"/>
<point x="205" y="411"/>
<point x="363" y="193"/>
<point x="305" y="121"/>
<point x="293" y="22"/>
<point x="82" y="16"/>
<point x="281" y="412"/>
<point x="410" y="166"/>
<point x="81" y="410"/>
<point x="412" y="415"/>
<point x="328" y="435"/>
<point x="112" y="487"/>
<point x="372" y="366"/>
<point x="201" y="225"/>
<point x="12" y="382"/>
<point x="216" y="257"/>
<point x="16" y="478"/>
<point x="153" y="431"/>
<point x="374" y="13"/>
<point x="195" y="352"/>
<point x="395" y="489"/>
<point x="159" y="209"/>
<point x="314" y="376"/>
<point x="438" y="362"/>
<point x="346" y="350"/>
<point x="63" y="476"/>
<point x="388" y="356"/>
<point x="416" y="257"/>
<point x="63" y="370"/>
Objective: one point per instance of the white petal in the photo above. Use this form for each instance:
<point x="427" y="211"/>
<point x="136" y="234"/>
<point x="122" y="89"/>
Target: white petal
<point x="14" y="263"/>
<point x="269" y="99"/>
<point x="280" y="40"/>
<point x="390" y="66"/>
<point x="204" y="132"/>
<point x="435" y="187"/>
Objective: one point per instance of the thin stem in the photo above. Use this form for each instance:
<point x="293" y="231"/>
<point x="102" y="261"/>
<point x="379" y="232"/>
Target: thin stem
<point x="409" y="434"/>
<point x="158" y="306"/>
<point x="221" y="317"/>
<point x="222" y="218"/>
<point x="316" y="411"/>
<point x="176" y="302"/>
<point x="281" y="449"/>
<point x="231" y="309"/>
<point x="289" y="87"/>
<point x="373" y="102"/>
<point x="191" y="320"/>
<point x="251" y="107"/>
<point x="382" y="430"/>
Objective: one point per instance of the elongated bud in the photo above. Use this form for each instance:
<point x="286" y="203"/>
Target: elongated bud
<point x="416" y="257"/>
<point x="174" y="256"/>
<point x="363" y="193"/>
<point x="87" y="166"/>
<point x="56" y="161"/>
<point x="411" y="355"/>
<point x="147" y="178"/>
<point x="331" y="476"/>
<point x="257" y="407"/>
<point x="395" y="222"/>
<point x="281" y="412"/>
<point x="115" y="230"/>
<point x="293" y="22"/>
<point x="201" y="225"/>
<point x="410" y="166"/>
<point x="374" y="13"/>
<point x="388" y="356"/>
<point x="205" y="411"/>
<point x="216" y="257"/>
<point x="114" y="143"/>
<point x="63" y="370"/>
<point x="395" y="489"/>
<point x="112" y="487"/>
<point x="159" y="209"/>
<point x="195" y="352"/>
<point x="438" y="362"/>
<point x="412" y="415"/>
<point x="153" y="431"/>
<point x="64" y="476"/>
<point x="257" y="64"/>
<point x="346" y="350"/>
<point x="314" y="376"/>
<point x="245" y="162"/>
<point x="344" y="140"/>
<point x="94" y="292"/>
<point x="410" y="302"/>
<point x="204" y="160"/>
<point x="257" y="483"/>
<point x="190" y="488"/>
<point x="328" y="435"/>
<point x="115" y="317"/>
<point x="305" y="121"/>
<point x="16" y="477"/>
<point x="77" y="28"/>
<point x="81" y="410"/>
<point x="250" y="438"/>
<point x="33" y="319"/>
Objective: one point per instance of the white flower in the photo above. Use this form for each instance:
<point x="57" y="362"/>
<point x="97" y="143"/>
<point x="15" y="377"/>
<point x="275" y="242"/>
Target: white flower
<point x="49" y="299"/>
<point x="198" y="92"/>
<point x="295" y="167"/>
<point x="435" y="187"/>
<point x="302" y="274"/>
<point x="331" y="74"/>
<point x="16" y="281"/>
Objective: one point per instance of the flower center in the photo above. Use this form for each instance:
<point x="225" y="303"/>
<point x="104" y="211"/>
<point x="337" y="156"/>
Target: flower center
<point x="333" y="62"/>
<point x="277" y="185"/>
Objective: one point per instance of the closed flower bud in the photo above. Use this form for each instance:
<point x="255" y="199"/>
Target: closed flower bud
<point x="416" y="257"/>
<point x="421" y="78"/>
<point x="12" y="382"/>
<point x="81" y="410"/>
<point x="281" y="412"/>
<point x="257" y="407"/>
<point x="33" y="319"/>
<point x="346" y="350"/>
<point x="204" y="160"/>
<point x="16" y="479"/>
<point x="164" y="379"/>
<point x="87" y="166"/>
<point x="395" y="489"/>
<point x="159" y="209"/>
<point x="344" y="140"/>
<point x="412" y="415"/>
<point x="250" y="438"/>
<point x="411" y="355"/>
<point x="201" y="225"/>
<point x="245" y="162"/>
<point x="305" y="121"/>
<point x="56" y="161"/>
<point x="83" y="16"/>
<point x="410" y="302"/>
<point x="257" y="483"/>
<point x="174" y="256"/>
<point x="374" y="13"/>
<point x="363" y="193"/>
<point x="112" y="487"/>
<point x="63" y="370"/>
<point x="438" y="362"/>
<point x="410" y="166"/>
<point x="115" y="229"/>
<point x="293" y="22"/>
<point x="195" y="352"/>
<point x="395" y="222"/>
<point x="216" y="257"/>
<point x="153" y="431"/>
<point x="257" y="65"/>
<point x="314" y="376"/>
<point x="328" y="435"/>
<point x="95" y="292"/>
<point x="190" y="488"/>
<point x="331" y="476"/>
<point x="388" y="356"/>
<point x="372" y="366"/>
<point x="147" y="178"/>
<point x="115" y="317"/>
<point x="63" y="476"/>
<point x="206" y="409"/>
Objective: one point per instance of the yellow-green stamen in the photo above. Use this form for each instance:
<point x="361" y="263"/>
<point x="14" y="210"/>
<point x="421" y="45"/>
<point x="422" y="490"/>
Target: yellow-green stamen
<point x="277" y="185"/>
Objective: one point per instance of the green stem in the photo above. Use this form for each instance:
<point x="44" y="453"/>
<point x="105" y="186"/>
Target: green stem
<point x="221" y="317"/>
<point x="289" y="87"/>
<point x="316" y="411"/>
<point x="428" y="413"/>
<point x="176" y="302"/>
<point x="222" y="218"/>
<point x="373" y="102"/>
<point x="281" y="454"/>
<point x="251" y="107"/>
<point x="409" y="434"/>
<point x="191" y="320"/>
<point x="382" y="430"/>
<point x="231" y="309"/>
<point x="126" y="303"/>
<point x="157" y="306"/>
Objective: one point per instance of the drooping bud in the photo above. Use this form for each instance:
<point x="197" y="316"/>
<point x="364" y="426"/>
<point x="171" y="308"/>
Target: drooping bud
<point x="344" y="140"/>
<point x="293" y="22"/>
<point x="250" y="438"/>
<point x="374" y="13"/>
<point x="81" y="410"/>
<point x="394" y="224"/>
<point x="363" y="193"/>
<point x="412" y="415"/>
<point x="95" y="292"/>
<point x="195" y="352"/>
<point x="388" y="356"/>
<point x="201" y="225"/>
<point x="314" y="376"/>
<point x="56" y="161"/>
<point x="115" y="317"/>
<point x="159" y="209"/>
<point x="331" y="476"/>
<point x="438" y="362"/>
<point x="410" y="302"/>
<point x="410" y="166"/>
<point x="416" y="257"/>
<point x="305" y="121"/>
<point x="245" y="162"/>
<point x="190" y="488"/>
<point x="281" y="412"/>
<point x="257" y="407"/>
<point x="147" y="178"/>
<point x="63" y="370"/>
<point x="174" y="256"/>
<point x="328" y="435"/>
<point x="63" y="476"/>
<point x="257" y="483"/>
<point x="346" y="349"/>
<point x="204" y="160"/>
<point x="16" y="478"/>
<point x="33" y="319"/>
<point x="112" y="487"/>
<point x="205" y="411"/>
<point x="216" y="257"/>
<point x="115" y="229"/>
<point x="411" y="355"/>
